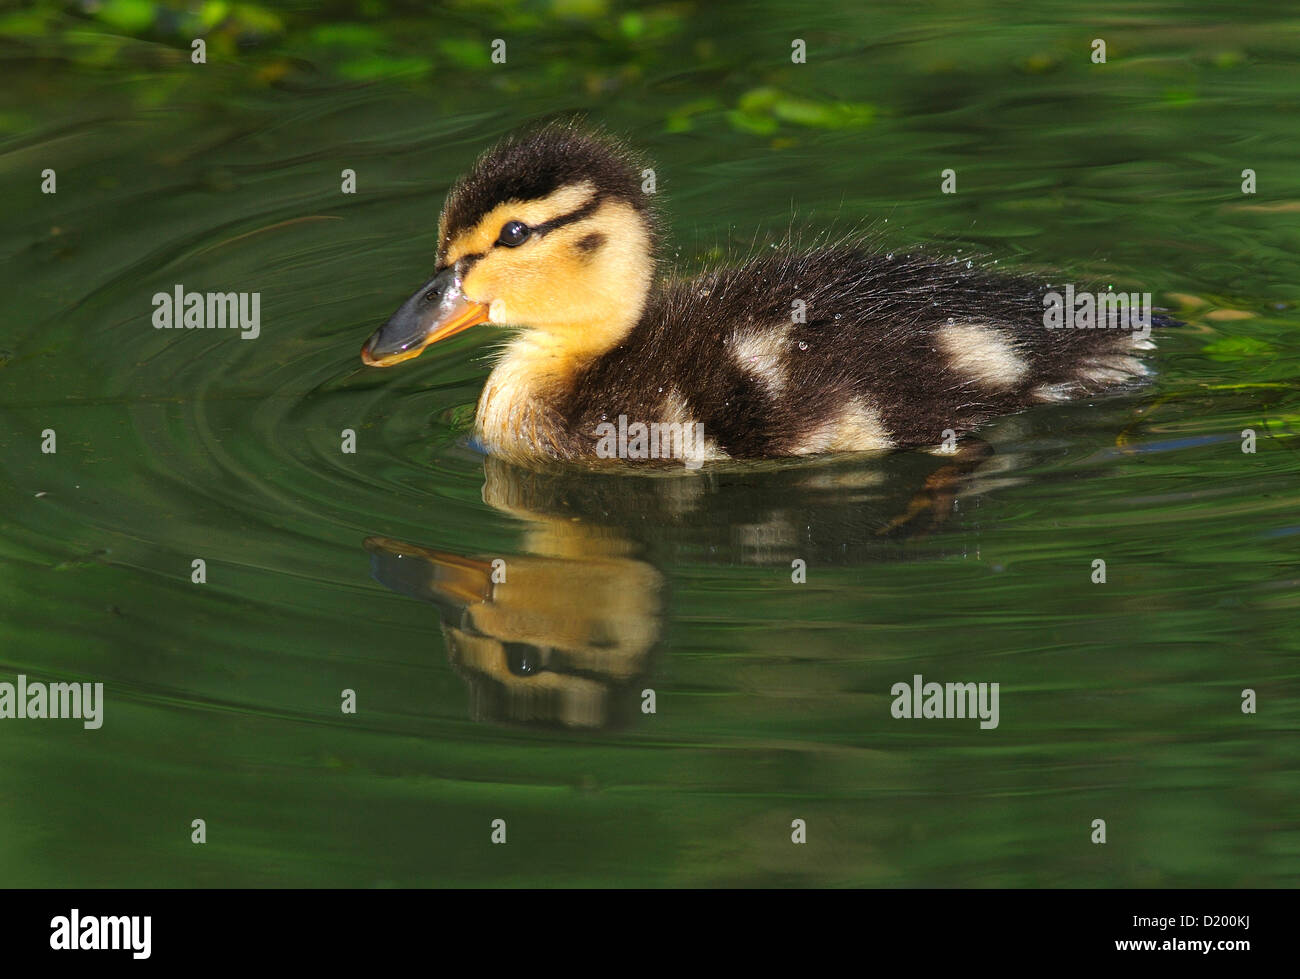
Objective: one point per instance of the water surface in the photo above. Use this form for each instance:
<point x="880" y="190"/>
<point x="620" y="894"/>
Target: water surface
<point x="329" y="571"/>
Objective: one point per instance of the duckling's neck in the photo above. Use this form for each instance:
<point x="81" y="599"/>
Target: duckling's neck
<point x="516" y="416"/>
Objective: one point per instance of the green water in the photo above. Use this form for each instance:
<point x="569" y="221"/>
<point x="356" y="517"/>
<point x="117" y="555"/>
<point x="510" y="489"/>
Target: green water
<point x="1118" y="701"/>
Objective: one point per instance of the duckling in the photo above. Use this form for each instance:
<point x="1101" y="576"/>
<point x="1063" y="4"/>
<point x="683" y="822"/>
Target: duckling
<point x="792" y="353"/>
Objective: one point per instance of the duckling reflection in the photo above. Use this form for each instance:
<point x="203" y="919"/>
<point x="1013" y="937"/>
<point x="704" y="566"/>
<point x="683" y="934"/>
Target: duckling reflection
<point x="559" y="635"/>
<point x="564" y="633"/>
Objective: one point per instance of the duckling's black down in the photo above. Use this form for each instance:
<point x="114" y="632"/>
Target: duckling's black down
<point x="925" y="348"/>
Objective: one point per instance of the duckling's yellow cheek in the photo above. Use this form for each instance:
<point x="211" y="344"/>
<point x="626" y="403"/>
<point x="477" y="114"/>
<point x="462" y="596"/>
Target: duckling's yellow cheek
<point x="519" y="292"/>
<point x="481" y="285"/>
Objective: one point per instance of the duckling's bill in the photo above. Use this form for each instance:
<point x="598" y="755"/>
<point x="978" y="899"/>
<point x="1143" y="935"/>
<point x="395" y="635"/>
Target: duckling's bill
<point x="438" y="310"/>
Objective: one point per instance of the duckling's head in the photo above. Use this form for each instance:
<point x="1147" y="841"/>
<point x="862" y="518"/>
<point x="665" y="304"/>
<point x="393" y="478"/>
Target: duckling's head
<point x="549" y="232"/>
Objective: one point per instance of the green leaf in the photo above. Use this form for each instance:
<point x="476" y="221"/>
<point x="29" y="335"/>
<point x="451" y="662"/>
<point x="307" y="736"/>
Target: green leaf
<point x="348" y="36"/>
<point x="466" y="53"/>
<point x="751" y="122"/>
<point x="1236" y="348"/>
<point x="132" y="16"/>
<point x="370" y="69"/>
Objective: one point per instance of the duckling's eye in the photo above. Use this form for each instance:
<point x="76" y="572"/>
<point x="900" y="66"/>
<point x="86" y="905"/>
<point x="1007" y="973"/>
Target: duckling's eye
<point x="513" y="234"/>
<point x="522" y="659"/>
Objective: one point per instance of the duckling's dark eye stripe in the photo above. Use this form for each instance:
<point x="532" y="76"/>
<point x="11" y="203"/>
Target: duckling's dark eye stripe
<point x="585" y="211"/>
<point x="467" y="262"/>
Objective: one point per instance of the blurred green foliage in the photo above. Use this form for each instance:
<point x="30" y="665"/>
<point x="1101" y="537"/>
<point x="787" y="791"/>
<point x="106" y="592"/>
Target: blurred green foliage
<point x="593" y="47"/>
